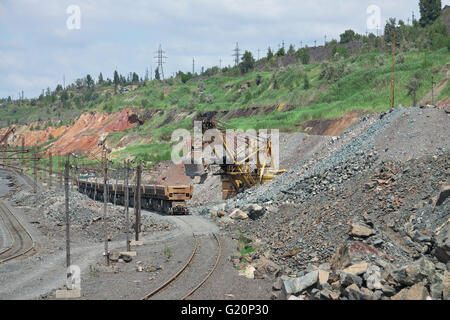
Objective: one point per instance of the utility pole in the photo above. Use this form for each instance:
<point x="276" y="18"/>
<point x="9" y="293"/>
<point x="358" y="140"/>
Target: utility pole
<point x="193" y="65"/>
<point x="34" y="171"/>
<point x="392" y="97"/>
<point x="160" y="60"/>
<point x="236" y="54"/>
<point x="432" y="89"/>
<point x="258" y="53"/>
<point x="60" y="160"/>
<point x="137" y="201"/>
<point x="127" y="204"/>
<point x="23" y="152"/>
<point x="105" y="203"/>
<point x="115" y="191"/>
<point x="220" y="63"/>
<point x="50" y="170"/>
<point x="66" y="193"/>
<point x="325" y="39"/>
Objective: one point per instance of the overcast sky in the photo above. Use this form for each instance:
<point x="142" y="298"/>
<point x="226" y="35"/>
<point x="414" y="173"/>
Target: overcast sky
<point x="37" y="48"/>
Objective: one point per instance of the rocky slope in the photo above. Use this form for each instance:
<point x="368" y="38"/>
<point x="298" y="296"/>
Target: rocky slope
<point x="373" y="200"/>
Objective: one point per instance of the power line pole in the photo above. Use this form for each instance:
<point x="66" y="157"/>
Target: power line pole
<point x="325" y="39"/>
<point x="432" y="90"/>
<point x="50" y="170"/>
<point x="127" y="204"/>
<point x="105" y="203"/>
<point x="160" y="60"/>
<point x="66" y="194"/>
<point x="258" y="53"/>
<point x="35" y="171"/>
<point x="137" y="202"/>
<point x="236" y="54"/>
<point x="193" y="65"/>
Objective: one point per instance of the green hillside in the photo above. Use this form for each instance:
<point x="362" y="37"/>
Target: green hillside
<point x="278" y="97"/>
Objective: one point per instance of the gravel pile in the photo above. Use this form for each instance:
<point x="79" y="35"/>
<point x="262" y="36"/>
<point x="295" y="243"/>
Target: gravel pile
<point x="86" y="215"/>
<point x="321" y="204"/>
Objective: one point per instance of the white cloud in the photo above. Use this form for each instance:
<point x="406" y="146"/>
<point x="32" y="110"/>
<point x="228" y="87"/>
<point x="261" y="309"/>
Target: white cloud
<point x="36" y="46"/>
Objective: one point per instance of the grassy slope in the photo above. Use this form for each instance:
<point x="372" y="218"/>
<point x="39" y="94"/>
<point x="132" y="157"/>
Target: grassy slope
<point x="365" y="87"/>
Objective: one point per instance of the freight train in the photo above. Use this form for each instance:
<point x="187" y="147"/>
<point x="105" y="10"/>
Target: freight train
<point x="167" y="199"/>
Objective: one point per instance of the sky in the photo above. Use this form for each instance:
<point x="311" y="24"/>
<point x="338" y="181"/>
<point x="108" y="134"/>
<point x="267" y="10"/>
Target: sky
<point x="41" y="42"/>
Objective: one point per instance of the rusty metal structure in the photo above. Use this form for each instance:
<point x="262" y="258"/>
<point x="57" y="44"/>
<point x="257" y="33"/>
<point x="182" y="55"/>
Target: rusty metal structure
<point x="241" y="174"/>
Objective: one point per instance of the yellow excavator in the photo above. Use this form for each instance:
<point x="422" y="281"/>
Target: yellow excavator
<point x="241" y="174"/>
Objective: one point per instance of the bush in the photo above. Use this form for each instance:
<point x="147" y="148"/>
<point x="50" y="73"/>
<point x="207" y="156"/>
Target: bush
<point x="303" y="55"/>
<point x="332" y="72"/>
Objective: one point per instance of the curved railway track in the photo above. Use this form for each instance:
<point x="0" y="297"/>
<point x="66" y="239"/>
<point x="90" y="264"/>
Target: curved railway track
<point x="174" y="280"/>
<point x="22" y="241"/>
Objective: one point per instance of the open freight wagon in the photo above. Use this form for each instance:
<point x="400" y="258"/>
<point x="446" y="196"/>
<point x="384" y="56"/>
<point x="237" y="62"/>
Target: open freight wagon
<point x="167" y="199"/>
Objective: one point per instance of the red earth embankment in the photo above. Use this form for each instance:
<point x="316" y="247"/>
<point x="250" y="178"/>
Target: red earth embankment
<point x="81" y="138"/>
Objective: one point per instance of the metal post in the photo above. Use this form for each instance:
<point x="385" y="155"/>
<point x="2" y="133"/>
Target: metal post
<point x="105" y="205"/>
<point x="34" y="171"/>
<point x="115" y="192"/>
<point x="60" y="173"/>
<point x="127" y="200"/>
<point x="432" y="90"/>
<point x="23" y="153"/>
<point x="50" y="170"/>
<point x="66" y="192"/>
<point x="137" y="201"/>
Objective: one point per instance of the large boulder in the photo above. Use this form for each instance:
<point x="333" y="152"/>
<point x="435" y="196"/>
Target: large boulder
<point x="444" y="193"/>
<point x="442" y="248"/>
<point x="357" y="269"/>
<point x="360" y="231"/>
<point x="373" y="278"/>
<point x="298" y="285"/>
<point x="416" y="292"/>
<point x="238" y="214"/>
<point x="347" y="279"/>
<point x="421" y="270"/>
<point x="255" y="211"/>
<point x="446" y="286"/>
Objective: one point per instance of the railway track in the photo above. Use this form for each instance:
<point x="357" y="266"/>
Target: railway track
<point x="175" y="282"/>
<point x="22" y="241"/>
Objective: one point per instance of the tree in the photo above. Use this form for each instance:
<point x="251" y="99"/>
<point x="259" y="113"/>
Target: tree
<point x="248" y="62"/>
<point x="291" y="49"/>
<point x="157" y="75"/>
<point x="412" y="86"/>
<point x="429" y="11"/>
<point x="100" y="79"/>
<point x="258" y="79"/>
<point x="348" y="36"/>
<point x="116" y="80"/>
<point x="135" y="78"/>
<point x="89" y="82"/>
<point x="64" y="96"/>
<point x="389" y="28"/>
<point x="269" y="54"/>
<point x="306" y="84"/>
<point x="280" y="52"/>
<point x="303" y="55"/>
